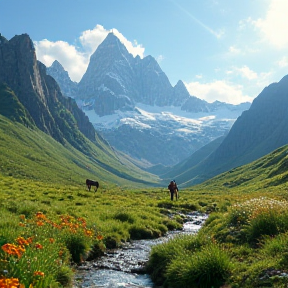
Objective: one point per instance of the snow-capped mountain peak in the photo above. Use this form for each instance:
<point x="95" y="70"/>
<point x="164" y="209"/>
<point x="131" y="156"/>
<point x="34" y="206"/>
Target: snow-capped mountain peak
<point x="131" y="101"/>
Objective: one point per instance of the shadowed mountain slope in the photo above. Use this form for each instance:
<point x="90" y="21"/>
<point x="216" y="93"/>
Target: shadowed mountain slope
<point x="11" y="107"/>
<point x="257" y="132"/>
<point x="33" y="98"/>
<point x="27" y="153"/>
<point x="269" y="170"/>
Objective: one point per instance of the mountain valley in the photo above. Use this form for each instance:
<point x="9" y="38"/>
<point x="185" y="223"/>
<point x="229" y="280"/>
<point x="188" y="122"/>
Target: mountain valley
<point x="140" y="127"/>
<point x="132" y="98"/>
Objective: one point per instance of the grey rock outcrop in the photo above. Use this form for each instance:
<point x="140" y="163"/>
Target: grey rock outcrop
<point x="67" y="86"/>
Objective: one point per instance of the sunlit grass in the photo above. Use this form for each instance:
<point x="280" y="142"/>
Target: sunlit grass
<point x="242" y="243"/>
<point x="247" y="225"/>
<point x="36" y="251"/>
<point x="69" y="222"/>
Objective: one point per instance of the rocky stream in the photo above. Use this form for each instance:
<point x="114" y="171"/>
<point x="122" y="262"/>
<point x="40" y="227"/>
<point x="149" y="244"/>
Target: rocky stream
<point x="124" y="267"/>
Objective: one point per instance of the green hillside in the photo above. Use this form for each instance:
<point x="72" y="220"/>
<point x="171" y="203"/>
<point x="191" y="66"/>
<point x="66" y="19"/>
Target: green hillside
<point x="31" y="154"/>
<point x="270" y="171"/>
<point x="183" y="170"/>
<point x="11" y="107"/>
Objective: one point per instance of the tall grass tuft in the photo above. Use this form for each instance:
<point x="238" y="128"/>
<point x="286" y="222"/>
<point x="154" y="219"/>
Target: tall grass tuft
<point x="259" y="217"/>
<point x="77" y="245"/>
<point x="162" y="255"/>
<point x="276" y="247"/>
<point x="64" y="276"/>
<point x="207" y="268"/>
<point x="124" y="217"/>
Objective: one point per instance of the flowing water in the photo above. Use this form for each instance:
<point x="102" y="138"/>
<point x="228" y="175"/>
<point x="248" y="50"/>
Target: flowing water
<point x="124" y="267"/>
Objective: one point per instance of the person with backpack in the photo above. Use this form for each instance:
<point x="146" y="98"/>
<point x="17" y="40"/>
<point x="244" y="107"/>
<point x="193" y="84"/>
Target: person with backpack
<point x="173" y="190"/>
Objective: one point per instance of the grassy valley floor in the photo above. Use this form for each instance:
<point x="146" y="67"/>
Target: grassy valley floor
<point x="47" y="227"/>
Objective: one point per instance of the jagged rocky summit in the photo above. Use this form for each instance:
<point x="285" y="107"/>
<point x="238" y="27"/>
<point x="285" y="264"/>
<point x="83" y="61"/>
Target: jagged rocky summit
<point x="131" y="101"/>
<point x="68" y="87"/>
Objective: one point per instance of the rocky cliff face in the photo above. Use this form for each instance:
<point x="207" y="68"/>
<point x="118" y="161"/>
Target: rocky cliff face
<point x="11" y="107"/>
<point x="20" y="71"/>
<point x="181" y="95"/>
<point x="108" y="83"/>
<point x="68" y="87"/>
<point x="40" y="94"/>
<point x="154" y="88"/>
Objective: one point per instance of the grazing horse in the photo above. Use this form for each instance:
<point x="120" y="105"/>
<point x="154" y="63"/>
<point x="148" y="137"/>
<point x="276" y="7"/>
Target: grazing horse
<point x="90" y="183"/>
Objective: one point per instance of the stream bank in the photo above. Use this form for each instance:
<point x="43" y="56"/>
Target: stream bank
<point x="125" y="267"/>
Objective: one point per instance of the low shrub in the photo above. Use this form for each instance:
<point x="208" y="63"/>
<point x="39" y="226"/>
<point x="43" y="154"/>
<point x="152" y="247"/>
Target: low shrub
<point x="111" y="242"/>
<point x="77" y="246"/>
<point x="266" y="223"/>
<point x="115" y="232"/>
<point x="173" y="224"/>
<point x="190" y="206"/>
<point x="97" y="250"/>
<point x="276" y="247"/>
<point x="212" y="219"/>
<point x="160" y="257"/>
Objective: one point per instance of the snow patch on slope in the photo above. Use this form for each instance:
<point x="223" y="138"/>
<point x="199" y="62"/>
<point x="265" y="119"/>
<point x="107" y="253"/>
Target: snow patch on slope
<point x="147" y="117"/>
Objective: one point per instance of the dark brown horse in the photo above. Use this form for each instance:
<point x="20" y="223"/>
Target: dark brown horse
<point x="90" y="183"/>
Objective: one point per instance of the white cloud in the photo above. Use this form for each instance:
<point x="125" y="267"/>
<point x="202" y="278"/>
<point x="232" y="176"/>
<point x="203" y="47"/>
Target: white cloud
<point x="91" y="39"/>
<point x="283" y="62"/>
<point x="265" y="79"/>
<point x="234" y="50"/>
<point x="76" y="59"/>
<point x="274" y="26"/>
<point x="218" y="90"/>
<point x="70" y="58"/>
<point x="160" y="58"/>
<point x="133" y="48"/>
<point x="244" y="72"/>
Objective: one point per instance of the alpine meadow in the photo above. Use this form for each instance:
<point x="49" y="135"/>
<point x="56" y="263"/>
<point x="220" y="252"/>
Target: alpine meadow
<point x="117" y="127"/>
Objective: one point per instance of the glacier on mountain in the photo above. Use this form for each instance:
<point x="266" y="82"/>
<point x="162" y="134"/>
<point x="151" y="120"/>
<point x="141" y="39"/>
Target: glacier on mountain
<point x="176" y="117"/>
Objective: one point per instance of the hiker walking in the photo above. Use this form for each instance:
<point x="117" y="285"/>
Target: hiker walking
<point x="173" y="190"/>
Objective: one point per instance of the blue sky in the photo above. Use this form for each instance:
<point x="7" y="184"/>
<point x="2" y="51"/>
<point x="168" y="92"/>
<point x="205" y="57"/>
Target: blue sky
<point x="226" y="50"/>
